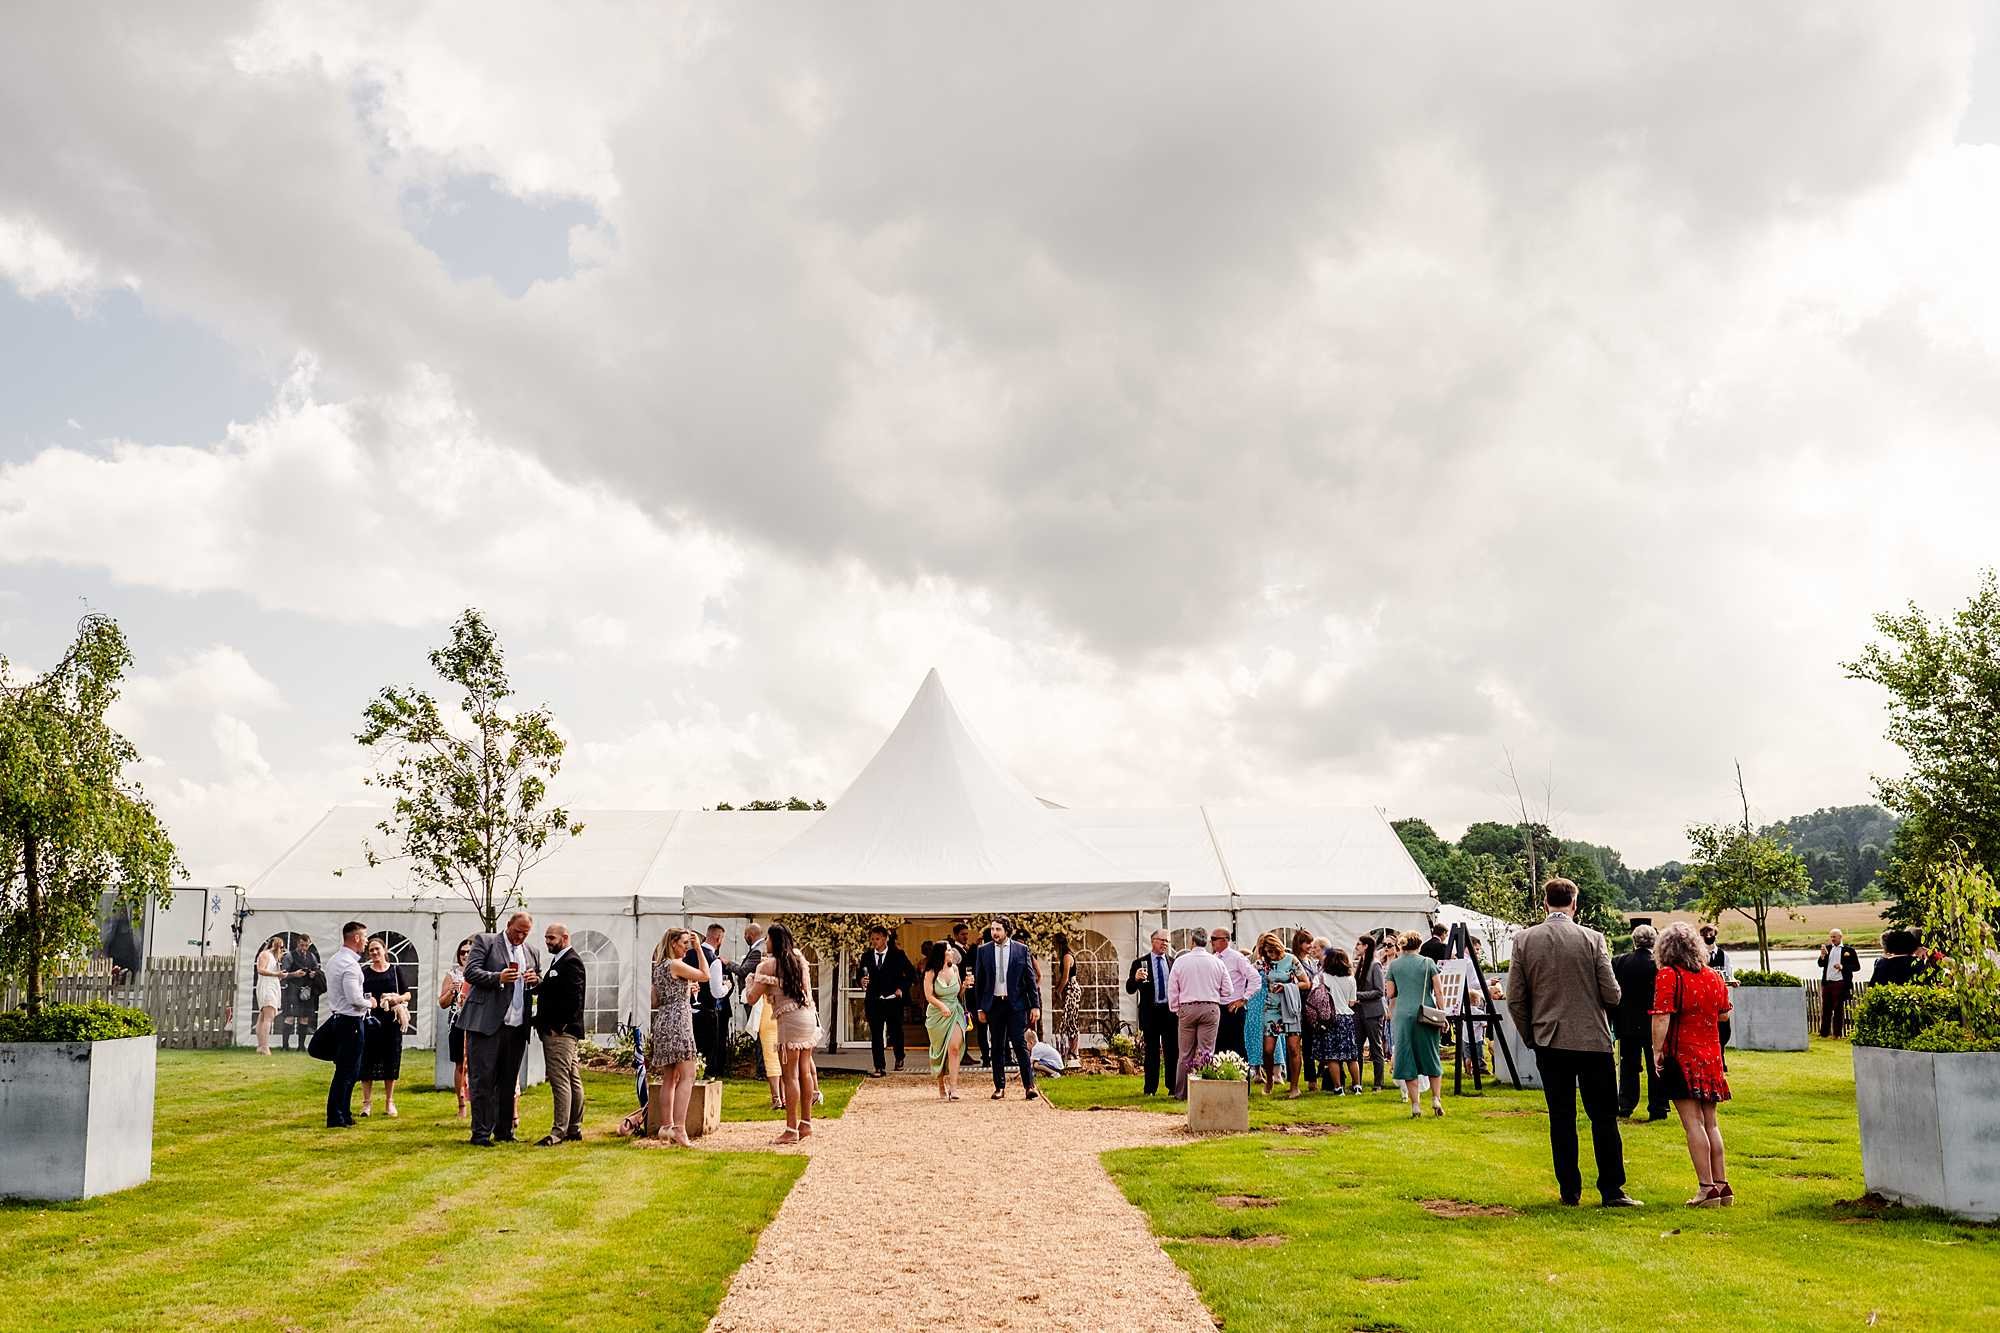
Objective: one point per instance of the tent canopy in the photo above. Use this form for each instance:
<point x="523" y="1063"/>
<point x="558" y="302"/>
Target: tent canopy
<point x="932" y="825"/>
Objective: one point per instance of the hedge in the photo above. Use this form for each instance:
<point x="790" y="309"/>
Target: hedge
<point x="1895" y="1016"/>
<point x="1750" y="976"/>
<point x="96" y="1021"/>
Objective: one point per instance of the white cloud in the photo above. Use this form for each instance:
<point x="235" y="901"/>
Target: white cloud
<point x="38" y="263"/>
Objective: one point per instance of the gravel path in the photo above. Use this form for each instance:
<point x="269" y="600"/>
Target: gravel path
<point x="1029" y="1233"/>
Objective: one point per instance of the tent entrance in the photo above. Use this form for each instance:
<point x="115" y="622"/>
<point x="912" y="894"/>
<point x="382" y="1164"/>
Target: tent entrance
<point x="911" y="937"/>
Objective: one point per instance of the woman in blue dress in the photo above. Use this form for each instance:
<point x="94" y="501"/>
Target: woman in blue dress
<point x="1253" y="1014"/>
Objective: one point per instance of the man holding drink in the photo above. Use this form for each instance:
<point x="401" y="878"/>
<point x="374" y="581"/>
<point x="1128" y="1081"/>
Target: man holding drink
<point x="503" y="970"/>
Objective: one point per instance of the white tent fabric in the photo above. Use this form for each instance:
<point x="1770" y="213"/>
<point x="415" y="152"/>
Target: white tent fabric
<point x="1496" y="935"/>
<point x="932" y="825"/>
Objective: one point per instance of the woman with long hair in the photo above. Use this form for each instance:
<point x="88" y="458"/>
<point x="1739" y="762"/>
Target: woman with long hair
<point x="1070" y="990"/>
<point x="451" y="998"/>
<point x="672" y="1051"/>
<point x="944" y="1015"/>
<point x="270" y="967"/>
<point x="1690" y="1000"/>
<point x="1281" y="1011"/>
<point x="1368" y="1008"/>
<point x="786" y="978"/>
<point x="1412" y="982"/>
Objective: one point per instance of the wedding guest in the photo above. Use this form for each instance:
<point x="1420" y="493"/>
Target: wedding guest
<point x="786" y="977"/>
<point x="1069" y="990"/>
<point x="1689" y="1001"/>
<point x="1412" y="982"/>
<point x="1283" y="1012"/>
<point x="382" y="1058"/>
<point x="961" y="940"/>
<point x="1435" y="948"/>
<point x="270" y="969"/>
<point x="1309" y="954"/>
<point x="1253" y="1014"/>
<point x="1632" y="1023"/>
<point x="1369" y="1013"/>
<point x="349" y="1005"/>
<point x="451" y="999"/>
<point x="1558" y="990"/>
<point x="672" y="1050"/>
<point x="1837" y="965"/>
<point x="1243" y="981"/>
<point x="1008" y="996"/>
<point x="559" y="1023"/>
<point x="1046" y="1060"/>
<point x="1899" y="964"/>
<point x="1340" y="1047"/>
<point x="305" y="982"/>
<point x="944" y="1015"/>
<point x="1159" y="1031"/>
<point x="503" y="970"/>
<point x="711" y="1010"/>
<point x="1195" y="990"/>
<point x="753" y="954"/>
<point x="886" y="978"/>
<point x="1718" y="957"/>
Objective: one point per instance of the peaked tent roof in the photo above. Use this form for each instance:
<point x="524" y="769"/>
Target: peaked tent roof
<point x="933" y="824"/>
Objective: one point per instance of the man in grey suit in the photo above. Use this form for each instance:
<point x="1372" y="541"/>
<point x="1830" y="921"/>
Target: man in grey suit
<point x="1558" y="989"/>
<point x="503" y="969"/>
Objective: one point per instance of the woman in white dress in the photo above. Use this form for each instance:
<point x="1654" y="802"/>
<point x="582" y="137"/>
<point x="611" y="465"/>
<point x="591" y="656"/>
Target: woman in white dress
<point x="270" y="976"/>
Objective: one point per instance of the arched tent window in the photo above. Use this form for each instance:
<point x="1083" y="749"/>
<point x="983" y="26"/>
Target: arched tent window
<point x="1181" y="940"/>
<point x="403" y="955"/>
<point x="600" y="981"/>
<point x="1098" y="976"/>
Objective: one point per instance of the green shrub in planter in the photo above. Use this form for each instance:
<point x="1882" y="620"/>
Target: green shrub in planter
<point x="1894" y="1016"/>
<point x="1122" y="1046"/>
<point x="96" y="1021"/>
<point x="1750" y="976"/>
<point x="1948" y="1038"/>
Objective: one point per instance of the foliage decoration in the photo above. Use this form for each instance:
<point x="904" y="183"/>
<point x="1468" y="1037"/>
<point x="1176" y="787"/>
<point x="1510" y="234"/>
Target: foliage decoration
<point x="1956" y="903"/>
<point x="824" y="934"/>
<point x="96" y="1021"/>
<point x="1224" y="1067"/>
<point x="1894" y="1016"/>
<point x="72" y="827"/>
<point x="469" y="813"/>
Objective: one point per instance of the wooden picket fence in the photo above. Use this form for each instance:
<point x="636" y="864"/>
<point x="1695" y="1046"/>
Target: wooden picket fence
<point x="1813" y="1004"/>
<point x="189" y="999"/>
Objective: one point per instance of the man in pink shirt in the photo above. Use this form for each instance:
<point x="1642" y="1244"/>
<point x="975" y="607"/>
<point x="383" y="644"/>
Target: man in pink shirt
<point x="1195" y="990"/>
<point x="1243" y="979"/>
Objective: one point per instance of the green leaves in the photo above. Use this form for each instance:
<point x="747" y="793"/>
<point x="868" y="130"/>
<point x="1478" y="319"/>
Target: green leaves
<point x="1735" y="870"/>
<point x="71" y="826"/>
<point x="468" y="794"/>
<point x="95" y="1021"/>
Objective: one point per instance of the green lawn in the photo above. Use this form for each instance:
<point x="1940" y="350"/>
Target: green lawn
<point x="1359" y="1249"/>
<point x="257" y="1216"/>
<point x="750" y="1098"/>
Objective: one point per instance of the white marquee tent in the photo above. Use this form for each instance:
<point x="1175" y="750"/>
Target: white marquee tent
<point x="933" y="828"/>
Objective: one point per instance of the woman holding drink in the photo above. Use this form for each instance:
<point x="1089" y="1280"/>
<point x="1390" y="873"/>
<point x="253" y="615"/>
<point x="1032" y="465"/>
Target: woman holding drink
<point x="786" y="978"/>
<point x="671" y="1052"/>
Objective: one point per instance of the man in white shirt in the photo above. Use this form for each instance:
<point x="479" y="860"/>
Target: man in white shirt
<point x="503" y="970"/>
<point x="343" y="1028"/>
<point x="1243" y="979"/>
<point x="1195" y="991"/>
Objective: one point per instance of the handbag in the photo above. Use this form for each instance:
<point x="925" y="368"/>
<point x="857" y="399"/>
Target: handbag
<point x="1318" y="1006"/>
<point x="1433" y="1017"/>
<point x="321" y="1047"/>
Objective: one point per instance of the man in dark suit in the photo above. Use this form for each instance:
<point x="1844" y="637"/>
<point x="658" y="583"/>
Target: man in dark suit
<point x="1159" y="1029"/>
<point x="1558" y="990"/>
<point x="886" y="977"/>
<point x="1633" y="1023"/>
<point x="711" y="1011"/>
<point x="503" y="970"/>
<point x="1005" y="997"/>
<point x="305" y="982"/>
<point x="968" y="955"/>
<point x="559" y="1023"/>
<point x="1837" y="965"/>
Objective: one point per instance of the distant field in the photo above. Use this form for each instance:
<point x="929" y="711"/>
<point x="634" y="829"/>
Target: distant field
<point x="1861" y="922"/>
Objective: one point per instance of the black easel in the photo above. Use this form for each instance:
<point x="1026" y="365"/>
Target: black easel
<point x="1465" y="1023"/>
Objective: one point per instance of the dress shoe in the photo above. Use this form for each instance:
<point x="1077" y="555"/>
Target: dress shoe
<point x="576" y="1135"/>
<point x="482" y="1143"/>
<point x="550" y="1141"/>
<point x="877" y="1073"/>
<point x="505" y="1138"/>
<point x="1032" y="1094"/>
<point x="1621" y="1200"/>
<point x="998" y="1093"/>
<point x="1571" y="1200"/>
<point x="899" y="1064"/>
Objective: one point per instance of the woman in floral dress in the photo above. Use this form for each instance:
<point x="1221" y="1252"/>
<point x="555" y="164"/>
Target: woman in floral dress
<point x="1689" y="1003"/>
<point x="672" y="1051"/>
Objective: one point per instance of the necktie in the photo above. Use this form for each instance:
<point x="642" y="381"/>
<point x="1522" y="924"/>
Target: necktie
<point x="1159" y="981"/>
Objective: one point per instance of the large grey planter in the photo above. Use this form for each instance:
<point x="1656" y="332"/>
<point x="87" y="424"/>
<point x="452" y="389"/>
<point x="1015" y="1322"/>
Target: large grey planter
<point x="1927" y="1133"/>
<point x="76" y="1117"/>
<point x="1218" y="1106"/>
<point x="1768" y="1018"/>
<point x="1524" y="1059"/>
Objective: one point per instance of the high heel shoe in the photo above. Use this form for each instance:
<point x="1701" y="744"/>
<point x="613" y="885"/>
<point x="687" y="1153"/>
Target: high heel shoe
<point x="1437" y="1110"/>
<point x="1706" y="1197"/>
<point x="1725" y="1195"/>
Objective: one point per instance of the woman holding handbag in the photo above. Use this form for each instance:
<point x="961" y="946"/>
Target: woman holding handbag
<point x="1690" y="1001"/>
<point x="1416" y="988"/>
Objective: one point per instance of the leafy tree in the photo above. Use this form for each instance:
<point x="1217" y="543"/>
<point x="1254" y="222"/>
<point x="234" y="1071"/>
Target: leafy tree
<point x="1494" y="889"/>
<point x="1956" y="904"/>
<point x="1445" y="866"/>
<point x="71" y="826"/>
<point x="791" y="803"/>
<point x="470" y="810"/>
<point x="1943" y="679"/>
<point x="1736" y="870"/>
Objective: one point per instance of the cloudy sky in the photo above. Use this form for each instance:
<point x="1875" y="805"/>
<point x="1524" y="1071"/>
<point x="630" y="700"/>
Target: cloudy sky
<point x="1303" y="407"/>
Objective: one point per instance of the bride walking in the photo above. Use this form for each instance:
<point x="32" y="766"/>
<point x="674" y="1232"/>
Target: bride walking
<point x="944" y="1014"/>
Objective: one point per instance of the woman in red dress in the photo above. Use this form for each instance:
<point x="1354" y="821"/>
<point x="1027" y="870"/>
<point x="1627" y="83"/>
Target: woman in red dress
<point x="1690" y="1001"/>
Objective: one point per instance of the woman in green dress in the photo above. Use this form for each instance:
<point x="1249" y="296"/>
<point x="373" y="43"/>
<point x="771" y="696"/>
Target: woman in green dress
<point x="944" y="1015"/>
<point x="1412" y="982"/>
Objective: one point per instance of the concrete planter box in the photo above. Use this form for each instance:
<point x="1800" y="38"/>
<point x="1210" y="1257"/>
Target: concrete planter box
<point x="1218" y="1106"/>
<point x="1524" y="1059"/>
<point x="1768" y="1018"/>
<point x="704" y="1107"/>
<point x="76" y="1117"/>
<point x="1927" y="1128"/>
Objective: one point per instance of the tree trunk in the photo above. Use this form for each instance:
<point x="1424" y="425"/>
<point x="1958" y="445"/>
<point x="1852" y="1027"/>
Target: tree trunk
<point x="1763" y="939"/>
<point x="28" y="857"/>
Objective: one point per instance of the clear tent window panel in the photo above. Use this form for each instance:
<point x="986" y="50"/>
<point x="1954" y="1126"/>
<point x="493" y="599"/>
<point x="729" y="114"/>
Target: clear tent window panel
<point x="601" y="1015"/>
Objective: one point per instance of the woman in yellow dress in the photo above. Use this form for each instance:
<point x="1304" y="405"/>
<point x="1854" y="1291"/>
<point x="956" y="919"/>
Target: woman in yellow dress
<point x="944" y="1015"/>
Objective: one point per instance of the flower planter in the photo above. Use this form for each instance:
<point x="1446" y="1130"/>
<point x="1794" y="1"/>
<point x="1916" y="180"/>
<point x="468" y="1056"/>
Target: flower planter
<point x="76" y="1117"/>
<point x="1524" y="1059"/>
<point x="704" y="1107"/>
<point x="1927" y="1128"/>
<point x="1218" y="1106"/>
<point x="1767" y="1018"/>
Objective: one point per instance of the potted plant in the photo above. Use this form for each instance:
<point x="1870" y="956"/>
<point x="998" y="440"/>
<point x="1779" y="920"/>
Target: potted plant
<point x="76" y="1082"/>
<point x="1769" y="1012"/>
<point x="1927" y="1057"/>
<point x="1219" y="1094"/>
